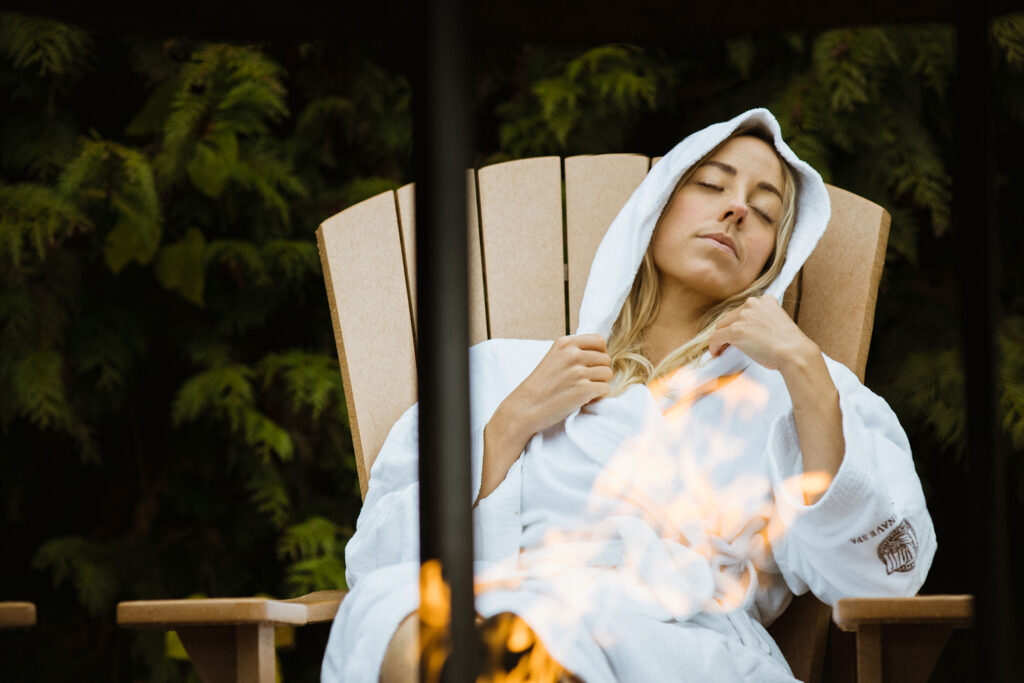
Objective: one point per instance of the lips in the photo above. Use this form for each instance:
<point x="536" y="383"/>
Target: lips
<point x="724" y="240"/>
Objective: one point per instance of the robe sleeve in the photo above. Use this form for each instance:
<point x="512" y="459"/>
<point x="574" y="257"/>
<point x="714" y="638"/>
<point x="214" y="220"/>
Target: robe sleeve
<point x="870" y="534"/>
<point x="387" y="530"/>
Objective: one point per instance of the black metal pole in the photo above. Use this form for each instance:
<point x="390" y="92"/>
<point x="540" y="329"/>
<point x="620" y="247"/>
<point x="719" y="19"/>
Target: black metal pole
<point x="441" y="155"/>
<point x="974" y="207"/>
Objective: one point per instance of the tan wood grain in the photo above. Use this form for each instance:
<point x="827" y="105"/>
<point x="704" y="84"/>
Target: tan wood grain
<point x="957" y="610"/>
<point x="869" y="654"/>
<point x="17" y="614"/>
<point x="231" y="654"/>
<point x="361" y="253"/>
<point x="596" y="188"/>
<point x="801" y="632"/>
<point x="840" y="280"/>
<point x="521" y="231"/>
<point x="320" y="605"/>
<point x="406" y="196"/>
<point x="210" y="611"/>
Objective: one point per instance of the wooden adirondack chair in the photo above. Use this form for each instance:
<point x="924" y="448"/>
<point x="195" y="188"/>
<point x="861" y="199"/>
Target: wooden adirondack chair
<point x="17" y="615"/>
<point x="516" y="241"/>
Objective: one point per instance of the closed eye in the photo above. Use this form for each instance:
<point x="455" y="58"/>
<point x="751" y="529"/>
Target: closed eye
<point x="710" y="186"/>
<point x="763" y="215"/>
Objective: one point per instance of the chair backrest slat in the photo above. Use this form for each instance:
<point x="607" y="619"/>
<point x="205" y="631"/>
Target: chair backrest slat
<point x="406" y="197"/>
<point x="596" y="188"/>
<point x="370" y="308"/>
<point x="840" y="280"/>
<point x="521" y="231"/>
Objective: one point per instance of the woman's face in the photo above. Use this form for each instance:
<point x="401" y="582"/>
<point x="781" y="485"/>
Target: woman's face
<point x="718" y="230"/>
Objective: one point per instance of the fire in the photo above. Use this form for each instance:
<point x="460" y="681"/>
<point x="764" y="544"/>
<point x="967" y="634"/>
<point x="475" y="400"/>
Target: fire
<point x="434" y="616"/>
<point x="511" y="651"/>
<point x="675" y="523"/>
<point x="514" y="654"/>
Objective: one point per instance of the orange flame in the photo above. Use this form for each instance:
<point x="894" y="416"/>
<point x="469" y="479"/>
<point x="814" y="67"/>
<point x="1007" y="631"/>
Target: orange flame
<point x="434" y="617"/>
<point x="671" y="484"/>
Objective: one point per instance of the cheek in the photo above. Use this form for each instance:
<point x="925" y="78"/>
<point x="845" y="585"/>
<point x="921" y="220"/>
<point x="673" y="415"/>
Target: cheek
<point x="677" y="223"/>
<point x="760" y="250"/>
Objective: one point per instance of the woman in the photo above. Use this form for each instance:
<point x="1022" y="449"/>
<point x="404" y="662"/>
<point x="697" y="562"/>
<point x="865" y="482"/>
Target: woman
<point x="649" y="505"/>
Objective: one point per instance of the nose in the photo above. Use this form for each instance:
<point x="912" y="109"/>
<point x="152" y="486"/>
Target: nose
<point x="735" y="211"/>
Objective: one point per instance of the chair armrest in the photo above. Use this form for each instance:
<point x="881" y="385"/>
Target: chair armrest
<point x="320" y="605"/>
<point x="957" y="611"/>
<point x="173" y="614"/>
<point x="17" y="614"/>
<point x="312" y="608"/>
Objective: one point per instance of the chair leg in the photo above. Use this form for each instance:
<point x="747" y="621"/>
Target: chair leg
<point x="843" y="646"/>
<point x="231" y="654"/>
<point x="869" y="654"/>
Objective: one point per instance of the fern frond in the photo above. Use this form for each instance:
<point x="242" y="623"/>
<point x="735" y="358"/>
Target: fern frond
<point x="48" y="47"/>
<point x="181" y="267"/>
<point x="120" y="179"/>
<point x="851" y="65"/>
<point x="265" y="436"/>
<point x="311" y="380"/>
<point x="934" y="55"/>
<point x="223" y="390"/>
<point x="86" y="564"/>
<point x="35" y="217"/>
<point x="1008" y="35"/>
<point x="740" y="53"/>
<point x="37" y="145"/>
<point x="268" y="492"/>
<point x="315" y="548"/>
<point x="294" y="259"/>
<point x="236" y="253"/>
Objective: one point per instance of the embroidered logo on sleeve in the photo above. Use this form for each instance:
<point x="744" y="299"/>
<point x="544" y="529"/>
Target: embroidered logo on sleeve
<point x="899" y="549"/>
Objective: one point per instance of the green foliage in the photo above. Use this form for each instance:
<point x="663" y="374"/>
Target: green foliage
<point x="35" y="217"/>
<point x="181" y="267"/>
<point x="1012" y="376"/>
<point x="312" y="381"/>
<point x="1008" y="33"/>
<point x="117" y="182"/>
<point x="314" y="548"/>
<point x="847" y="62"/>
<point x="86" y="565"/>
<point x="582" y="102"/>
<point x="45" y="47"/>
<point x="226" y="395"/>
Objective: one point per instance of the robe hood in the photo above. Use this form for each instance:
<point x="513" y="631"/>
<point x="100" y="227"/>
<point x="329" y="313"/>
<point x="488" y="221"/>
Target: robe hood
<point x="622" y="249"/>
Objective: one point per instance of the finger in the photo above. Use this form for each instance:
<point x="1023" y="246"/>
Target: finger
<point x="719" y="340"/>
<point x="600" y="373"/>
<point x="599" y="390"/>
<point x="594" y="358"/>
<point x="728" y="318"/>
<point x="593" y="342"/>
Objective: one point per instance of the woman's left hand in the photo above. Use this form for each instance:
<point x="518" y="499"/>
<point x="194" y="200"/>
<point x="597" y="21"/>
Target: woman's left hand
<point x="760" y="328"/>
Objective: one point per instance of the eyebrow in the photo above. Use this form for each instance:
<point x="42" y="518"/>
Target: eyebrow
<point x="731" y="170"/>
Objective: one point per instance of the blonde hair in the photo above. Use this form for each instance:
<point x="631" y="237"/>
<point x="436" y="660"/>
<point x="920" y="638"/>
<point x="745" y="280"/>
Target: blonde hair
<point x="625" y="343"/>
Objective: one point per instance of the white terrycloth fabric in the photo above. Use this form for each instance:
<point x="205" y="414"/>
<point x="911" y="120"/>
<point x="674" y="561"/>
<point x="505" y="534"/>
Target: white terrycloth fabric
<point x="652" y="536"/>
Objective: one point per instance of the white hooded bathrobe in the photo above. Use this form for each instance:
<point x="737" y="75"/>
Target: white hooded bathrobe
<point x="652" y="536"/>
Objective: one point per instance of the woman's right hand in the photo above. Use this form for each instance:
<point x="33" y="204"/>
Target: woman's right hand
<point x="575" y="371"/>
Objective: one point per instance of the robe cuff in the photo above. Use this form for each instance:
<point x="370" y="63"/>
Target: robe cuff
<point x="849" y="488"/>
<point x="498" y="523"/>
